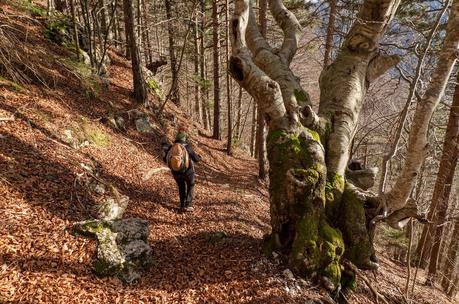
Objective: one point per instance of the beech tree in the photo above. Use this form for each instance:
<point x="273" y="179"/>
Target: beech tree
<point x="320" y="208"/>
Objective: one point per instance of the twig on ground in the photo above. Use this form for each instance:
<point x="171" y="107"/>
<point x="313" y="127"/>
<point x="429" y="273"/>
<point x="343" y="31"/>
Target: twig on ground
<point x="375" y="292"/>
<point x="152" y="172"/>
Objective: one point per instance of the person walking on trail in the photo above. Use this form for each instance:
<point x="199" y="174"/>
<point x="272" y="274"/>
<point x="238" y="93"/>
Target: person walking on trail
<point x="180" y="158"/>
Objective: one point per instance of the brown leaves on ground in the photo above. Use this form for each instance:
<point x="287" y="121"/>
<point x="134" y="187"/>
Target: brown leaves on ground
<point x="209" y="256"/>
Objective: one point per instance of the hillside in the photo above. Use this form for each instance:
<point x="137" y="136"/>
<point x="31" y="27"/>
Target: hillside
<point x="51" y="134"/>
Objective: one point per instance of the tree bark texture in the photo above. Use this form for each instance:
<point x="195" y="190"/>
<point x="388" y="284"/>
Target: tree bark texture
<point x="140" y="88"/>
<point x="330" y="32"/>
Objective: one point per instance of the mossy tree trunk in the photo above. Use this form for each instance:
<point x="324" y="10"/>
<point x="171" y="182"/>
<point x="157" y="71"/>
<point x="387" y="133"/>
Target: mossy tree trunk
<point x="308" y="152"/>
<point x="320" y="208"/>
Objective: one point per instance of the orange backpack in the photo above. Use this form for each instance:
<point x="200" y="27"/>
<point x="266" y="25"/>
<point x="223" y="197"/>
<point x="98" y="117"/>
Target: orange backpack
<point x="177" y="158"/>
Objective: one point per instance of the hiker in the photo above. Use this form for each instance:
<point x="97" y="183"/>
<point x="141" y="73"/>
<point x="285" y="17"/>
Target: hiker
<point x="180" y="158"/>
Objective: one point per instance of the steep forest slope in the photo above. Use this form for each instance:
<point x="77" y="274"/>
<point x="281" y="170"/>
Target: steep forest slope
<point x="52" y="132"/>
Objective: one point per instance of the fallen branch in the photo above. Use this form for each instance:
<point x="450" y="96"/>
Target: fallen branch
<point x="152" y="172"/>
<point x="11" y="118"/>
<point x="355" y="270"/>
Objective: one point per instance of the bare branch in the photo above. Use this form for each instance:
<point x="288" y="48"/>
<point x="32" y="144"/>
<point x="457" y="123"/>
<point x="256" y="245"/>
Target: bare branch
<point x="266" y="92"/>
<point x="380" y="64"/>
<point x="417" y="145"/>
<point x="290" y="26"/>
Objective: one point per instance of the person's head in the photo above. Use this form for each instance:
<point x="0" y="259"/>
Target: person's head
<point x="181" y="135"/>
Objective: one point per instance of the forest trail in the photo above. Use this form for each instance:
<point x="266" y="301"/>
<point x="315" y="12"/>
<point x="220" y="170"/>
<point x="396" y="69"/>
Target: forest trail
<point x="209" y="256"/>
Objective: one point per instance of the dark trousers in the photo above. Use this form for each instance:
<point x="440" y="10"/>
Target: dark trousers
<point x="185" y="183"/>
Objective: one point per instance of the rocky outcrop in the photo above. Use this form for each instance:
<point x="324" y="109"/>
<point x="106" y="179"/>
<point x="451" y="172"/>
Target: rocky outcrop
<point x="123" y="249"/>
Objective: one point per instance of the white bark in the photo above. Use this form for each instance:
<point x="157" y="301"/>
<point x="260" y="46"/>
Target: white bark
<point x="417" y="143"/>
<point x="344" y="83"/>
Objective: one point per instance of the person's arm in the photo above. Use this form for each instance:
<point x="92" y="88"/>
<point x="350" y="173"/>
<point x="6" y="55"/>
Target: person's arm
<point x="194" y="157"/>
<point x="165" y="149"/>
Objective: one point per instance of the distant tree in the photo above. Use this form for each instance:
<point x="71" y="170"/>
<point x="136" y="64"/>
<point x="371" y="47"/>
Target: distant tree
<point x="140" y="89"/>
<point x="445" y="177"/>
<point x="175" y="90"/>
<point x="216" y="69"/>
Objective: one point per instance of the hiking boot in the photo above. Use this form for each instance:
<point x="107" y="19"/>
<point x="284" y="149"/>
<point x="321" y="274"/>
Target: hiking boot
<point x="189" y="209"/>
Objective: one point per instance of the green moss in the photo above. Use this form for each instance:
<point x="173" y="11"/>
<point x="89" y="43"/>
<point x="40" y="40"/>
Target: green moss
<point x="301" y="96"/>
<point x="332" y="250"/>
<point x="333" y="272"/>
<point x="28" y="5"/>
<point x="314" y="135"/>
<point x="305" y="241"/>
<point x="310" y="176"/>
<point x="154" y="87"/>
<point x="333" y="192"/>
<point x="93" y="227"/>
<point x="85" y="131"/>
<point x="14" y="85"/>
<point x="353" y="225"/>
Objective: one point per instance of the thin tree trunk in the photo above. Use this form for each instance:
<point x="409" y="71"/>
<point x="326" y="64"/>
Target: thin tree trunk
<point x="454" y="288"/>
<point x="330" y="32"/>
<point x="197" y="89"/>
<point x="261" y="130"/>
<point x="239" y="114"/>
<point x="127" y="33"/>
<point x="175" y="93"/>
<point x="216" y="70"/>
<point x="404" y="114"/>
<point x="140" y="88"/>
<point x="253" y="130"/>
<point x="203" y="68"/>
<point x="444" y="180"/>
<point x="451" y="258"/>
<point x="146" y="32"/>
<point x="410" y="244"/>
<point x="75" y="30"/>
<point x="60" y="5"/>
<point x="229" y="146"/>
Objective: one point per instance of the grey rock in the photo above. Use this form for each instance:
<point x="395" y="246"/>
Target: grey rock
<point x="113" y="208"/>
<point x="122" y="249"/>
<point x="143" y="125"/>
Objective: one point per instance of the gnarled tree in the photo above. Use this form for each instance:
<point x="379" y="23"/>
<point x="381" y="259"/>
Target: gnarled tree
<point x="310" y="194"/>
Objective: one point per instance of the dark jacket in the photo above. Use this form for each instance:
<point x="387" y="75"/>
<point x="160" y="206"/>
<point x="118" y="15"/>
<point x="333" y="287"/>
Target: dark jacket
<point x="193" y="156"/>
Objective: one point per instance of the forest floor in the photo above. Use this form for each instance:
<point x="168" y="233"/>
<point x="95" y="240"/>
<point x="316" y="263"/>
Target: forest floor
<point x="209" y="256"/>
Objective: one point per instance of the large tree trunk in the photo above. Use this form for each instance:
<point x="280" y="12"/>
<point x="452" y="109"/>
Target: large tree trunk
<point x="444" y="181"/>
<point x="216" y="70"/>
<point x="140" y="88"/>
<point x="304" y="180"/>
